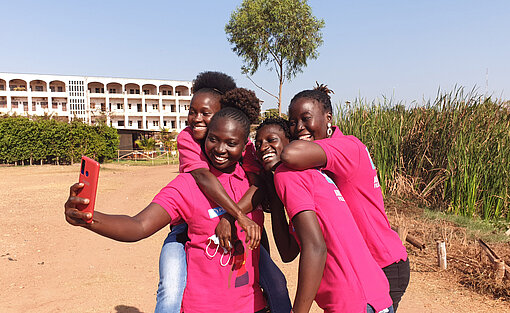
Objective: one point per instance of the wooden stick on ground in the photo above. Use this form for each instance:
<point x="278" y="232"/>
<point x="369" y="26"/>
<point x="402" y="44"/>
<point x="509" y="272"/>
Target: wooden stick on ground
<point x="441" y="254"/>
<point x="501" y="269"/>
<point x="412" y="240"/>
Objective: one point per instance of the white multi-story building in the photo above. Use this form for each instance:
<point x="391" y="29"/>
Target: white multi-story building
<point x="125" y="103"/>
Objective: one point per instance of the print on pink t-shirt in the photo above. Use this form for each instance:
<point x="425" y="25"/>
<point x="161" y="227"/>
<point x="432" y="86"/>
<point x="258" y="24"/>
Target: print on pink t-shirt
<point x="351" y="277"/>
<point x="212" y="287"/>
<point x="350" y="166"/>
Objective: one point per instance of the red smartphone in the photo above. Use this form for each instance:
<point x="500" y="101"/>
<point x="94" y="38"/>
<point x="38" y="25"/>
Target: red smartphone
<point x="89" y="175"/>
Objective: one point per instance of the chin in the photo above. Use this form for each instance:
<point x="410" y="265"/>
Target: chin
<point x="199" y="135"/>
<point x="270" y="166"/>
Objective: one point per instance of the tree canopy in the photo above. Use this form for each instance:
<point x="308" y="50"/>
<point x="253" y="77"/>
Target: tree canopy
<point x="280" y="34"/>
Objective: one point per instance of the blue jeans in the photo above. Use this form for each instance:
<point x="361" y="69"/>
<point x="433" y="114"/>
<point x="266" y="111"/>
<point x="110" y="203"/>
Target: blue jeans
<point x="172" y="273"/>
<point x="370" y="309"/>
<point x="273" y="282"/>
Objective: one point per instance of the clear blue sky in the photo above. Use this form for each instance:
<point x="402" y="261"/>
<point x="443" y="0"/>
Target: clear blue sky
<point x="405" y="49"/>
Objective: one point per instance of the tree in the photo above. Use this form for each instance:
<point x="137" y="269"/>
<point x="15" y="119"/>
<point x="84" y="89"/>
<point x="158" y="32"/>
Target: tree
<point x="168" y="139"/>
<point x="273" y="113"/>
<point x="146" y="144"/>
<point x="280" y="34"/>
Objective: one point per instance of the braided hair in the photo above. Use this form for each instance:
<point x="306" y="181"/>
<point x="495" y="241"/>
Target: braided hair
<point x="241" y="105"/>
<point x="321" y="93"/>
<point x="283" y="123"/>
<point x="244" y="100"/>
<point x="213" y="82"/>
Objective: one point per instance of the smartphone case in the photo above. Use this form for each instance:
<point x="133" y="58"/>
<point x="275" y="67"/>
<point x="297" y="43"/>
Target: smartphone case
<point x="89" y="175"/>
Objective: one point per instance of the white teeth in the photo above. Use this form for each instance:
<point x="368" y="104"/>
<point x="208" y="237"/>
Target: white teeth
<point x="220" y="159"/>
<point x="268" y="155"/>
<point x="305" y="137"/>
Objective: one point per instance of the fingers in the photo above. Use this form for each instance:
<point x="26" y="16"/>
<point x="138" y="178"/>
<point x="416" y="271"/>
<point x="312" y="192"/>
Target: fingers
<point x="253" y="236"/>
<point x="73" y="215"/>
<point x="75" y="189"/>
<point x="223" y="232"/>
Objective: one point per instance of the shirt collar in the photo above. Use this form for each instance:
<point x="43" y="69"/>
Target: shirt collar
<point x="336" y="132"/>
<point x="237" y="173"/>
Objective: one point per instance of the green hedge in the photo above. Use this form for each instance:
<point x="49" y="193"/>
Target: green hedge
<point x="41" y="140"/>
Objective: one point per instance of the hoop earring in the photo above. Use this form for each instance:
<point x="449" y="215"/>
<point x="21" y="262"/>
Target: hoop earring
<point x="329" y="132"/>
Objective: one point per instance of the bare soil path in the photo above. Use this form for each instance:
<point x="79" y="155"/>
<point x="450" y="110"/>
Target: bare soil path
<point x="50" y="266"/>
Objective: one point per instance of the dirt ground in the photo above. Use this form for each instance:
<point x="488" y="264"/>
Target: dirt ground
<point x="50" y="266"/>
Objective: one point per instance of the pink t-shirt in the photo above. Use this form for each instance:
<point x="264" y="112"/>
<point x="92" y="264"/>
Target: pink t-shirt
<point x="350" y="166"/>
<point x="212" y="287"/>
<point x="191" y="156"/>
<point x="351" y="276"/>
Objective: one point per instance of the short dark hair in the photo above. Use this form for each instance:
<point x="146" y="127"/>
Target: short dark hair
<point x="283" y="123"/>
<point x="214" y="82"/>
<point x="320" y="94"/>
<point x="232" y="114"/>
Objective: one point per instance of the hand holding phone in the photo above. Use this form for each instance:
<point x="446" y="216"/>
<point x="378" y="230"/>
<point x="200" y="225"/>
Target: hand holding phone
<point x="89" y="175"/>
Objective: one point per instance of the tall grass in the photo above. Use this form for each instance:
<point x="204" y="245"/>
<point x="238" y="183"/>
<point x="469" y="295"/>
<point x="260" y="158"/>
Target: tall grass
<point x="452" y="152"/>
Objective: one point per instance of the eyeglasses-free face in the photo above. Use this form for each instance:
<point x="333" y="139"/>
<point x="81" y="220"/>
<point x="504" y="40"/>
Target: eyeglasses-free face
<point x="269" y="143"/>
<point x="224" y="144"/>
<point x="308" y="120"/>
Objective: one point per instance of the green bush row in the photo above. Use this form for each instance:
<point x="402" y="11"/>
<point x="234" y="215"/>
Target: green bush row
<point x="453" y="152"/>
<point x="41" y="140"/>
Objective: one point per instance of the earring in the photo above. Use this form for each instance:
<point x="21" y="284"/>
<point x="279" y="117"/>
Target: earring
<point x="329" y="132"/>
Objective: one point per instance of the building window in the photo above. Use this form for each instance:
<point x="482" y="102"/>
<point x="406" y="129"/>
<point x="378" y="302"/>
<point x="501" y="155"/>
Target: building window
<point x="119" y="106"/>
<point x="164" y="123"/>
<point x="173" y="124"/>
<point x="130" y="123"/>
<point x="155" y="123"/>
<point x="113" y="90"/>
<point x="129" y="106"/>
<point x="164" y="107"/>
<point x="131" y="91"/>
<point x="138" y="91"/>
<point x="177" y="93"/>
<point x="146" y="92"/>
<point x="38" y="88"/>
<point x="59" y="89"/>
<point x="155" y="107"/>
<point x="120" y="123"/>
<point x="97" y="90"/>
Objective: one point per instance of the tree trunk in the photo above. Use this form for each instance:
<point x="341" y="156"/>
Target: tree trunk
<point x="280" y="92"/>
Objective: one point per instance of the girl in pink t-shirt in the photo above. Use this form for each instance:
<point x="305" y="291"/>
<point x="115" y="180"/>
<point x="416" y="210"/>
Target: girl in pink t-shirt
<point x="218" y="281"/>
<point x="208" y="89"/>
<point x="347" y="161"/>
<point x="213" y="90"/>
<point x="336" y="267"/>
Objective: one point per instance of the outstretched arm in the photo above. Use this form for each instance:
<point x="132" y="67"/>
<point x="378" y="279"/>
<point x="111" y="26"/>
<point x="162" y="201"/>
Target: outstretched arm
<point x="118" y="227"/>
<point x="311" y="261"/>
<point x="210" y="185"/>
<point x="301" y="155"/>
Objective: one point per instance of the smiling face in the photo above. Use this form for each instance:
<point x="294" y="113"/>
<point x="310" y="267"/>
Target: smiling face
<point x="202" y="108"/>
<point x="269" y="143"/>
<point x="224" y="144"/>
<point x="308" y="119"/>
